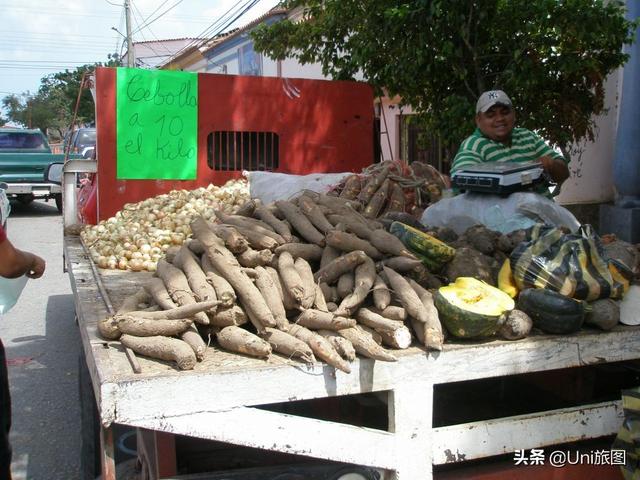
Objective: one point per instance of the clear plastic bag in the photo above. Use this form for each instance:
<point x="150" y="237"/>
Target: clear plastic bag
<point x="567" y="263"/>
<point x="270" y="186"/>
<point x="10" y="290"/>
<point x="520" y="210"/>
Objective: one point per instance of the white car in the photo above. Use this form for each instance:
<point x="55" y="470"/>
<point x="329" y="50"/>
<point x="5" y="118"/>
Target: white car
<point x="5" y="206"/>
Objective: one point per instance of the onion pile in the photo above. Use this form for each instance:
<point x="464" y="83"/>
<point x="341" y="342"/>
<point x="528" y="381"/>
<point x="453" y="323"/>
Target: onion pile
<point x="139" y="234"/>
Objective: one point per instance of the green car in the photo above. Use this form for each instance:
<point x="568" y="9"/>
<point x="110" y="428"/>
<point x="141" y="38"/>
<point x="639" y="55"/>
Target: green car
<point x="24" y="156"/>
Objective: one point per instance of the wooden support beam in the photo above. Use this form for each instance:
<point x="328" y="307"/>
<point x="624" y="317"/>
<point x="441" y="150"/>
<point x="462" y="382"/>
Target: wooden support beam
<point x="470" y="441"/>
<point x="252" y="427"/>
<point x="410" y="420"/>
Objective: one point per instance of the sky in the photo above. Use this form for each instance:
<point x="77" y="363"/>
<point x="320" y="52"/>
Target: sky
<point x="40" y="37"/>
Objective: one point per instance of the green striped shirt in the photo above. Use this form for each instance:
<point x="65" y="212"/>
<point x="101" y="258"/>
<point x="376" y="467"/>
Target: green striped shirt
<point x="525" y="146"/>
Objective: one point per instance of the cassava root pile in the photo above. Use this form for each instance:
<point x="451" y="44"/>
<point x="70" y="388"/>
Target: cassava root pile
<point x="392" y="186"/>
<point x="310" y="278"/>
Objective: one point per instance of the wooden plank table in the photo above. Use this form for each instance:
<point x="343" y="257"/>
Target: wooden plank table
<point x="216" y="399"/>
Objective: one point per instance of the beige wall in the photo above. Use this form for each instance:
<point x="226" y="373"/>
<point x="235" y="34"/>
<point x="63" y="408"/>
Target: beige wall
<point x="591" y="163"/>
<point x="390" y="118"/>
<point x="292" y="69"/>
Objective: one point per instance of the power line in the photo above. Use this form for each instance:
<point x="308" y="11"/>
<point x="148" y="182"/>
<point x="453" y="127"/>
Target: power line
<point x="215" y="28"/>
<point x="46" y="63"/>
<point x="45" y="41"/>
<point x="41" y="61"/>
<point x="118" y="41"/>
<point x="161" y="44"/>
<point x="53" y="64"/>
<point x="57" y="12"/>
<point x="7" y="6"/>
<point x="52" y="43"/>
<point x="53" y="68"/>
<point x="99" y="13"/>
<point x="149" y="22"/>
<point x="151" y="14"/>
<point x="141" y="33"/>
<point x="22" y="33"/>
<point x="142" y="20"/>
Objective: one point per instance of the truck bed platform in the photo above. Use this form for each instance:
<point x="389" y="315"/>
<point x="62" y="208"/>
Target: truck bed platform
<point x="217" y="400"/>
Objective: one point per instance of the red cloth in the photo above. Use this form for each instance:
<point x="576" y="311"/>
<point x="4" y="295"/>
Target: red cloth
<point x="3" y="236"/>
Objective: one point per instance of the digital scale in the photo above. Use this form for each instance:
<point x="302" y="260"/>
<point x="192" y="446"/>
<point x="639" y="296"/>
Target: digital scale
<point x="500" y="178"/>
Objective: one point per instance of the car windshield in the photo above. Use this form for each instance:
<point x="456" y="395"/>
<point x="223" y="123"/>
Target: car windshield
<point x="17" y="140"/>
<point x="87" y="137"/>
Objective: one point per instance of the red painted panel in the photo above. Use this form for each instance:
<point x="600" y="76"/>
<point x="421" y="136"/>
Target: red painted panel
<point x="323" y="126"/>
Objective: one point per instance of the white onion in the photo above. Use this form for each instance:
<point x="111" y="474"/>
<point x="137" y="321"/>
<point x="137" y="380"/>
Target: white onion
<point x="137" y="236"/>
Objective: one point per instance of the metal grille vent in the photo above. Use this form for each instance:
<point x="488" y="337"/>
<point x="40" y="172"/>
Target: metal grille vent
<point x="231" y="151"/>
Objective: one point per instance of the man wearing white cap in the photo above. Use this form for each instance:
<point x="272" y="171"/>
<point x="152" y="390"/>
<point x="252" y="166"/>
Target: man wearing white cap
<point x="496" y="139"/>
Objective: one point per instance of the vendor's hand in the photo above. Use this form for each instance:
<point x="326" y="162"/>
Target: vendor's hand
<point x="547" y="163"/>
<point x="556" y="169"/>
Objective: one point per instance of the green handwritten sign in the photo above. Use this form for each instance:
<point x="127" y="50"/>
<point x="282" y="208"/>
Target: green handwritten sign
<point x="157" y="123"/>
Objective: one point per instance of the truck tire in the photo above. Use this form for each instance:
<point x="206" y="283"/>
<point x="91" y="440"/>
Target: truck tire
<point x="58" y="198"/>
<point x="26" y="199"/>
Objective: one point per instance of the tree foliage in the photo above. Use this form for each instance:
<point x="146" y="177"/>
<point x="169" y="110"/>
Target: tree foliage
<point x="551" y="56"/>
<point x="52" y="107"/>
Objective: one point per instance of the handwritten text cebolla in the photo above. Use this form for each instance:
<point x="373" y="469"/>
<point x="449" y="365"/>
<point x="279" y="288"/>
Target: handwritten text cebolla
<point x="138" y="91"/>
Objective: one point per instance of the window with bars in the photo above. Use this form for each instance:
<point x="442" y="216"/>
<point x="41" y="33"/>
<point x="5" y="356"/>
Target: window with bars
<point x="417" y="145"/>
<point x="228" y="151"/>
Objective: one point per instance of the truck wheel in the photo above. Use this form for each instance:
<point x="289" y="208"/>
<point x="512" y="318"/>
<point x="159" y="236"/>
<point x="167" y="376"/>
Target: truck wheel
<point x="58" y="198"/>
<point x="26" y="199"/>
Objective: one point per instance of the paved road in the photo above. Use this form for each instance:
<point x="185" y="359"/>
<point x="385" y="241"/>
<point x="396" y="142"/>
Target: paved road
<point x="43" y="345"/>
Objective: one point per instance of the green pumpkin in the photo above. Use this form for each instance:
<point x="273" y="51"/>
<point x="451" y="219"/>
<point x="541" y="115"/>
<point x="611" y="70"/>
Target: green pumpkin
<point x="551" y="311"/>
<point x="470" y="308"/>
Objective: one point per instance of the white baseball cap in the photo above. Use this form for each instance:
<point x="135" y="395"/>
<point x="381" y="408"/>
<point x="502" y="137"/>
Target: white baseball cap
<point x="490" y="98"/>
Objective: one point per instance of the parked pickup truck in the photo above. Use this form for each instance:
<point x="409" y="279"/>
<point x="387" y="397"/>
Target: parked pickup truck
<point x="24" y="156"/>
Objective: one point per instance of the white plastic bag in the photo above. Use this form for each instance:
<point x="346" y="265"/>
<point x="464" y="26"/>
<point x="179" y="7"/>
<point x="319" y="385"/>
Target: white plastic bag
<point x="269" y="186"/>
<point x="10" y="290"/>
<point x="499" y="213"/>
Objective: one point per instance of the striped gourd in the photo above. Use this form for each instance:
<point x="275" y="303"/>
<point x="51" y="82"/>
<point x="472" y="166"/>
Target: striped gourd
<point x="433" y="252"/>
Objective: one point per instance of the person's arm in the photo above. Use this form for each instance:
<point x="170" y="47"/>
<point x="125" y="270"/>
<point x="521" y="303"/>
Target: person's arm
<point x="15" y="263"/>
<point x="555" y="168"/>
<point x="554" y="164"/>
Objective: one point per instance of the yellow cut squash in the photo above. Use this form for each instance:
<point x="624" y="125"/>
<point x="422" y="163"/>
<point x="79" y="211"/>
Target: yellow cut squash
<point x="470" y="308"/>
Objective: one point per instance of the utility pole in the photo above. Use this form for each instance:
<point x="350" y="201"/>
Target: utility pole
<point x="127" y="16"/>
